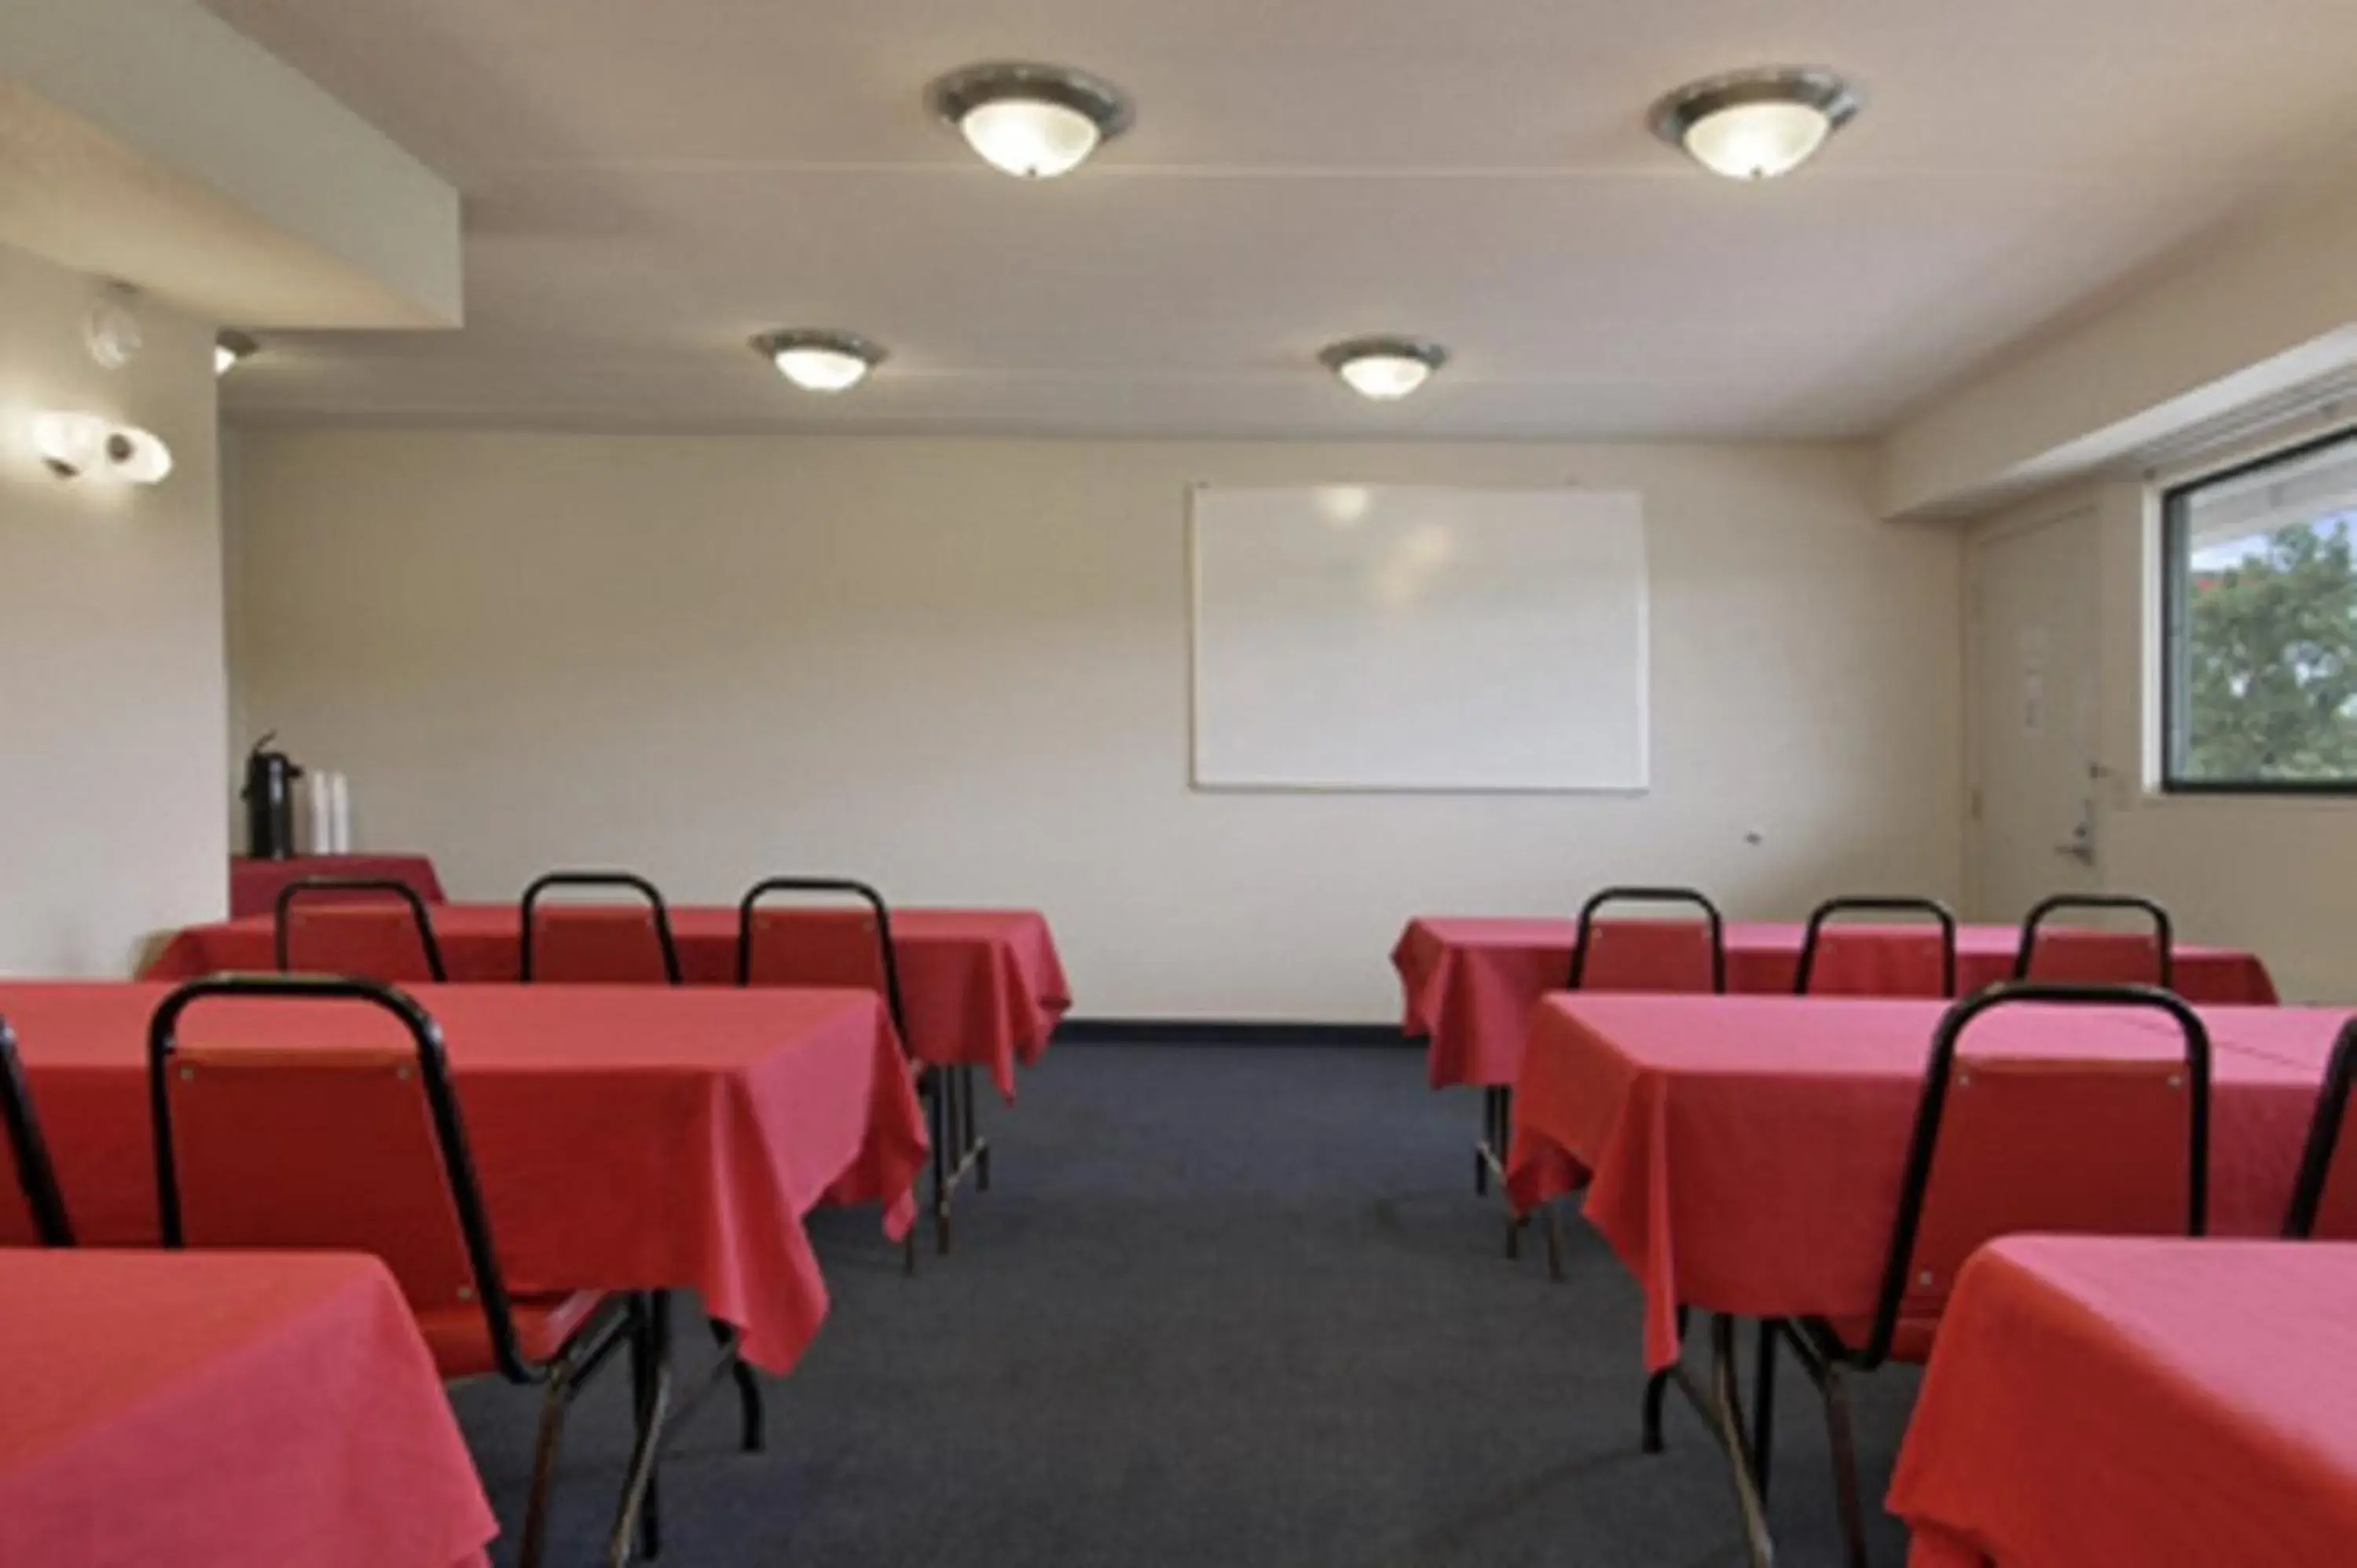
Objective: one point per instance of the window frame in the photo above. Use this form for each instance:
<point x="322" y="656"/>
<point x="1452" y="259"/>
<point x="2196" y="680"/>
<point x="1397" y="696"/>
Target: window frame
<point x="2175" y="568"/>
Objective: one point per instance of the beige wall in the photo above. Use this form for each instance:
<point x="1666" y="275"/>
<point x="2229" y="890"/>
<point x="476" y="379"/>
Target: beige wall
<point x="2277" y="874"/>
<point x="111" y="669"/>
<point x="959" y="669"/>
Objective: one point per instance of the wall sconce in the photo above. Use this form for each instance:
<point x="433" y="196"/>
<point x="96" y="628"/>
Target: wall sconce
<point x="73" y="444"/>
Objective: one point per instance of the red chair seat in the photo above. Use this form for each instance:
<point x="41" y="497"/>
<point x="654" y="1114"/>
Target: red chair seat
<point x="461" y="1340"/>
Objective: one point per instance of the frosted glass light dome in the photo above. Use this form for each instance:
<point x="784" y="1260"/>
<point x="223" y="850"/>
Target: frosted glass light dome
<point x="818" y="360"/>
<point x="1035" y="122"/>
<point x="1384" y="368"/>
<point x="1758" y="141"/>
<point x="1030" y="138"/>
<point x="1756" y="124"/>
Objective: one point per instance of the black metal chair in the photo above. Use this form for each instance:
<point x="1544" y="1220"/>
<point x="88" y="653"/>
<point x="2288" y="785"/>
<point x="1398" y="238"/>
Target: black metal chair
<point x="609" y="946"/>
<point x="607" y="943"/>
<point x="374" y="951"/>
<point x="1660" y="969"/>
<point x="2317" y="1199"/>
<point x="1815" y="941"/>
<point x="36" y="1176"/>
<point x="2016" y="1111"/>
<point x="2099" y="957"/>
<point x="363" y="1148"/>
<point x="859" y="951"/>
<point x="1647" y="974"/>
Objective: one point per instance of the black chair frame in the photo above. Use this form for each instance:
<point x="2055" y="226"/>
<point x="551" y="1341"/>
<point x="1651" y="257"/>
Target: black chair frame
<point x="392" y="887"/>
<point x="2323" y="1135"/>
<point x="1689" y="896"/>
<point x="35" y="1171"/>
<point x="1822" y="1352"/>
<point x="1943" y="917"/>
<point x="627" y="1322"/>
<point x="948" y="1092"/>
<point x="1490" y="1151"/>
<point x="2164" y="931"/>
<point x="608" y="881"/>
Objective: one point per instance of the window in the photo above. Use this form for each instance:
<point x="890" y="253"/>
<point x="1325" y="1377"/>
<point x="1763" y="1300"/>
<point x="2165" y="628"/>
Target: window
<point x="2259" y="662"/>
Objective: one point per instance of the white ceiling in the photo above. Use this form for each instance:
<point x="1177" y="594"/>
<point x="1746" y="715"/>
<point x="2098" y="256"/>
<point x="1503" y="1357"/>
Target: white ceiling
<point x="648" y="184"/>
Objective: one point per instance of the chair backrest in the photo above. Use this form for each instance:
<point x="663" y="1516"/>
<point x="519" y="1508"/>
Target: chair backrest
<point x="43" y="1205"/>
<point x="2076" y="1144"/>
<point x="599" y="945"/>
<point x="807" y="946"/>
<point x="352" y="1148"/>
<point x="2085" y="957"/>
<point x="1650" y="954"/>
<point x="348" y="928"/>
<point x="1844" y="961"/>
<point x="2324" y="1200"/>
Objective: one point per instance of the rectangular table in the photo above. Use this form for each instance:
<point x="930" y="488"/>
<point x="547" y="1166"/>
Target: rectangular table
<point x="214" y="1409"/>
<point x="1744" y="1154"/>
<point x="2133" y="1401"/>
<point x="984" y="987"/>
<point x="1470" y="984"/>
<point x="627" y="1138"/>
<point x="254" y="885"/>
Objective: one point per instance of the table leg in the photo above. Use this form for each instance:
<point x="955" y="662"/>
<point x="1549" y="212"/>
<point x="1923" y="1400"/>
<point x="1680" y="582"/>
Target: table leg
<point x="639" y="1524"/>
<point x="1727" y="1412"/>
<point x="978" y="1149"/>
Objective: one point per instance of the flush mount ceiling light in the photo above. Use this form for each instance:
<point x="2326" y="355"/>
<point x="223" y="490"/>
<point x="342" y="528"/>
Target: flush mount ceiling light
<point x="229" y="347"/>
<point x="74" y="443"/>
<point x="137" y="455"/>
<point x="819" y="361"/>
<point x="71" y="443"/>
<point x="1384" y="368"/>
<point x="1756" y="124"/>
<point x="1035" y="122"/>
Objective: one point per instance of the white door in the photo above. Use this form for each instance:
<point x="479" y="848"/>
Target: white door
<point x="2034" y="612"/>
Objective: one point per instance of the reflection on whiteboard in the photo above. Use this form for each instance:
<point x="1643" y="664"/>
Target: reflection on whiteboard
<point x="1356" y="637"/>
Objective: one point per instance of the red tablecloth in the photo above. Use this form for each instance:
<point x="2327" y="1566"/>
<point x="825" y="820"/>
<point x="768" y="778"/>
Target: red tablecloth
<point x="220" y="1410"/>
<point x="628" y="1138"/>
<point x="1744" y="1154"/>
<point x="982" y="986"/>
<point x="1470" y="984"/>
<point x="2100" y="1401"/>
<point x="254" y="885"/>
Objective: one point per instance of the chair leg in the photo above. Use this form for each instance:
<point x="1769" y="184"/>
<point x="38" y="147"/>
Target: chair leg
<point x="1555" y="1245"/>
<point x="748" y="1389"/>
<point x="1763" y="1411"/>
<point x="1843" y="1440"/>
<point x="1482" y="1145"/>
<point x="1656" y="1387"/>
<point x="557" y="1396"/>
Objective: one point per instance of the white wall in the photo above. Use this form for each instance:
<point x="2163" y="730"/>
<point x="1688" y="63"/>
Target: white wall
<point x="111" y="687"/>
<point x="959" y="669"/>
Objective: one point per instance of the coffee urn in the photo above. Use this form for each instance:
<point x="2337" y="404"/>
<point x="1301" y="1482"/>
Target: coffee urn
<point x="270" y="801"/>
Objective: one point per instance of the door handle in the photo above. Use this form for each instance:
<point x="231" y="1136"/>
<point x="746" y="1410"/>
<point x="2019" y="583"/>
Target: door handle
<point x="2080" y="846"/>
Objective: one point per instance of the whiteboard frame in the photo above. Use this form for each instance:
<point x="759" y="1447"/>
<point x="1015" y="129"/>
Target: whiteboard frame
<point x="1198" y="784"/>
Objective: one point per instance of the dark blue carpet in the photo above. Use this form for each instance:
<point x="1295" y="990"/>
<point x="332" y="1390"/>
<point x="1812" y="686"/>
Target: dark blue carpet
<point x="1223" y="1307"/>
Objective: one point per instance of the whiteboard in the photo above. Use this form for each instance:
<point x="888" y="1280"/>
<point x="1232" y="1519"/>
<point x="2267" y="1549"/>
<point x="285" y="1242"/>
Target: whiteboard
<point x="1356" y="637"/>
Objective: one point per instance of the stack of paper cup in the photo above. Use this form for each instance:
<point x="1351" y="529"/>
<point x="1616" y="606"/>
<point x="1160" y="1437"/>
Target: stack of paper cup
<point x="327" y="817"/>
